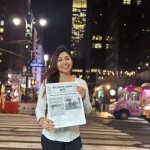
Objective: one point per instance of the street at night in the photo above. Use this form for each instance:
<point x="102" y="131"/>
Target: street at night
<point x="21" y="132"/>
<point x="61" y="59"/>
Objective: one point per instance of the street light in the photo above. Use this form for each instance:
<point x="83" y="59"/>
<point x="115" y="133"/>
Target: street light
<point x="16" y="21"/>
<point x="29" y="29"/>
<point x="42" y="21"/>
<point x="46" y="57"/>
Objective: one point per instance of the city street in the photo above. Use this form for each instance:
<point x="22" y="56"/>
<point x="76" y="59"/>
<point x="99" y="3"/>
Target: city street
<point x="21" y="132"/>
<point x="95" y="51"/>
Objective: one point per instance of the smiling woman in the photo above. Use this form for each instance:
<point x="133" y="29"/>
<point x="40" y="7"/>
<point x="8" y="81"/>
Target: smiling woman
<point x="64" y="138"/>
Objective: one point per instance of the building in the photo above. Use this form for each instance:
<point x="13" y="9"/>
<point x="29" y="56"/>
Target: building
<point x="79" y="13"/>
<point x="11" y="43"/>
<point x="128" y="27"/>
<point x="18" y="44"/>
<point x="115" y="32"/>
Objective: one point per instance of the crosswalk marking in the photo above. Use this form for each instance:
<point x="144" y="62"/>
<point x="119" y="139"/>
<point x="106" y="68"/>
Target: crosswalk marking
<point x="21" y="132"/>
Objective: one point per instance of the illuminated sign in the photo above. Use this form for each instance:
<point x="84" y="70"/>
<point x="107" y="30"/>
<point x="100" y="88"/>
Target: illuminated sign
<point x="36" y="64"/>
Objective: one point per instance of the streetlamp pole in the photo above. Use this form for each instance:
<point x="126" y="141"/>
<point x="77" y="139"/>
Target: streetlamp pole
<point x="29" y="48"/>
<point x="28" y="45"/>
<point x="29" y="29"/>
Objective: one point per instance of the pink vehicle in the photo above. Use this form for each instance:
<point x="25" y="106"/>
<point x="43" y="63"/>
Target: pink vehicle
<point x="145" y="101"/>
<point x="128" y="103"/>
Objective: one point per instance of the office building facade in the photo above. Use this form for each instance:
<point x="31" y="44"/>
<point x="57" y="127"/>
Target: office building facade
<point x="115" y="32"/>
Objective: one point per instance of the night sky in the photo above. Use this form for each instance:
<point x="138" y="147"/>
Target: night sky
<point x="58" y="14"/>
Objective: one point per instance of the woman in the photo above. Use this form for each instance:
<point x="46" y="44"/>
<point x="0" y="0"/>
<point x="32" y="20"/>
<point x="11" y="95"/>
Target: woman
<point x="67" y="138"/>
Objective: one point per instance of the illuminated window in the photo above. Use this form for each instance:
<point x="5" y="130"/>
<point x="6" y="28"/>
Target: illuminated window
<point x="126" y="2"/>
<point x="96" y="45"/>
<point x="139" y="2"/>
<point x="0" y="57"/>
<point x="107" y="46"/>
<point x="108" y="38"/>
<point x="1" y="22"/>
<point x="96" y="38"/>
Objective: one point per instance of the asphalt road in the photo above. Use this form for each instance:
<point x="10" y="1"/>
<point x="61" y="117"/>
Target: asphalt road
<point x="21" y="132"/>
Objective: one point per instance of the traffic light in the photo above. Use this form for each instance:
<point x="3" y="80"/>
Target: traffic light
<point x="0" y="57"/>
<point x="1" y="31"/>
<point x="28" y="32"/>
<point x="33" y="82"/>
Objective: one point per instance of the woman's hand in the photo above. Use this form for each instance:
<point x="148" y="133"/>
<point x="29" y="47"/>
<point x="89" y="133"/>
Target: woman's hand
<point x="46" y="123"/>
<point x="81" y="91"/>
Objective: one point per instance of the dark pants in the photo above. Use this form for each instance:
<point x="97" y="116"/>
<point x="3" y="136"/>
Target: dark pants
<point x="47" y="144"/>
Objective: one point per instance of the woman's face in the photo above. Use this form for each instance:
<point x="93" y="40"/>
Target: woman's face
<point x="64" y="63"/>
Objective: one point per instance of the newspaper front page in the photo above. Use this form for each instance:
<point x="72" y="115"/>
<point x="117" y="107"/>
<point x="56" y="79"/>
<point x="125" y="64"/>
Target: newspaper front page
<point x="65" y="106"/>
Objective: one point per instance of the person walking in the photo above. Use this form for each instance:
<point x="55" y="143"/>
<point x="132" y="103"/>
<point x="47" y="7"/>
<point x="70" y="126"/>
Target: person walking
<point x="65" y="138"/>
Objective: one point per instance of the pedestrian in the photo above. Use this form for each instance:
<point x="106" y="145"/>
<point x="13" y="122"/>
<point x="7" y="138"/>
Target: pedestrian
<point x="97" y="106"/>
<point x="22" y="97"/>
<point x="8" y="96"/>
<point x="66" y="138"/>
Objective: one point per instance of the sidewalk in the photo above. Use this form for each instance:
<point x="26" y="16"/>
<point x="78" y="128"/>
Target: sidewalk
<point x="100" y="114"/>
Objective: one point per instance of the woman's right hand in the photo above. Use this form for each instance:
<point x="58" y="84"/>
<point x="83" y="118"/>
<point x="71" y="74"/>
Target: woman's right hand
<point x="46" y="123"/>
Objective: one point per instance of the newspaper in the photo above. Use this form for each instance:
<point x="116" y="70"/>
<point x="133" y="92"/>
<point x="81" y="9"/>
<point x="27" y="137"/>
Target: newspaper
<point x="65" y="106"/>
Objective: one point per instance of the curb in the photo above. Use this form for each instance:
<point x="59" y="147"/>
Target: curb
<point x="101" y="114"/>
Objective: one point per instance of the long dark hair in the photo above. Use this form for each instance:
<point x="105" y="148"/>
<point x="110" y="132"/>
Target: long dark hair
<point x="52" y="74"/>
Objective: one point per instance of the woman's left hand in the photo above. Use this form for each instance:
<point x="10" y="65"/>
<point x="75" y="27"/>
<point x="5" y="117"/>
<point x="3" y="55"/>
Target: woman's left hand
<point x="81" y="91"/>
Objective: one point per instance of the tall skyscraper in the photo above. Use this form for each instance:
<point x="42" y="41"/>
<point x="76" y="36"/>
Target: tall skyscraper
<point x="128" y="24"/>
<point x="79" y="16"/>
<point x="115" y="32"/>
<point x="96" y="32"/>
<point x="79" y="13"/>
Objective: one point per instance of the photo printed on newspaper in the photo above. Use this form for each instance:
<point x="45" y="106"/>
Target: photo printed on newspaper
<point x="65" y="106"/>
